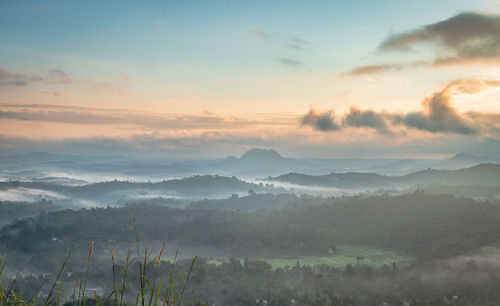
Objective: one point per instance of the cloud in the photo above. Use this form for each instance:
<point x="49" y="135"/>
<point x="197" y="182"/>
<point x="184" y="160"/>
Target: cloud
<point x="321" y="121"/>
<point x="437" y="115"/>
<point x="369" y="69"/>
<point x="14" y="83"/>
<point x="489" y="118"/>
<point x="467" y="35"/>
<point x="467" y="38"/>
<point x="59" y="76"/>
<point x="471" y="86"/>
<point x="373" y="69"/>
<point x="146" y="120"/>
<point x="365" y="118"/>
<point x="7" y="78"/>
<point x="293" y="43"/>
<point x="51" y="93"/>
<point x="15" y="79"/>
<point x="261" y="34"/>
<point x="290" y="62"/>
<point x="298" y="44"/>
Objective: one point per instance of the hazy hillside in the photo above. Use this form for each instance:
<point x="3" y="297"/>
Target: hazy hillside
<point x="483" y="174"/>
<point x="118" y="192"/>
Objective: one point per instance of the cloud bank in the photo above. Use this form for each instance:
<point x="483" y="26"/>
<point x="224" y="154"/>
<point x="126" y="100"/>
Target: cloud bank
<point x="437" y="114"/>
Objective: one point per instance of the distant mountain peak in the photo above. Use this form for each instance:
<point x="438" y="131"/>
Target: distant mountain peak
<point x="258" y="153"/>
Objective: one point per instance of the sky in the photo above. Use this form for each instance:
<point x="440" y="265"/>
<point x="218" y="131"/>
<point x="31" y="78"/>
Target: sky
<point x="194" y="79"/>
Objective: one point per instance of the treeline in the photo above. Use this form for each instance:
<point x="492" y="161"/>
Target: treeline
<point x="458" y="281"/>
<point x="472" y="191"/>
<point x="252" y="202"/>
<point x="11" y="212"/>
<point x="420" y="224"/>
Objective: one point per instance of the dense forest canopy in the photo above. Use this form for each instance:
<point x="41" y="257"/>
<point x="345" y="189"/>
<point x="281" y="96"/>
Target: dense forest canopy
<point x="419" y="223"/>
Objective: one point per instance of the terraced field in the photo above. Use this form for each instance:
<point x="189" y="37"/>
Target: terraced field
<point x="345" y="254"/>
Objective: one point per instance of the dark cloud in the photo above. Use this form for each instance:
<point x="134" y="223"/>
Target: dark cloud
<point x="438" y="115"/>
<point x="322" y="121"/>
<point x="467" y="35"/>
<point x="365" y="118"/>
<point x="463" y="39"/>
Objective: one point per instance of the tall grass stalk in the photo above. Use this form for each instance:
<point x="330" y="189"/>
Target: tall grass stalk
<point x="91" y="247"/>
<point x="51" y="292"/>
<point x="153" y="289"/>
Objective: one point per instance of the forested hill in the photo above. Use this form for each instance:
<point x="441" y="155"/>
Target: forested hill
<point x="197" y="184"/>
<point x="419" y="224"/>
<point x="482" y="174"/>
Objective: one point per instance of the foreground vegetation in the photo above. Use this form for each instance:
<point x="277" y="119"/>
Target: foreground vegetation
<point x="463" y="280"/>
<point x="146" y="286"/>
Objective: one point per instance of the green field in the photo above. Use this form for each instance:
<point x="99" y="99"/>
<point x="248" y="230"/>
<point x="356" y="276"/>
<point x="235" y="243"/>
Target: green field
<point x="346" y="254"/>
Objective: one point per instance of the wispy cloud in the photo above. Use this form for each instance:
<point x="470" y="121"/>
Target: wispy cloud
<point x="19" y="79"/>
<point x="58" y="76"/>
<point x="290" y="62"/>
<point x="293" y="42"/>
<point x="145" y="120"/>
